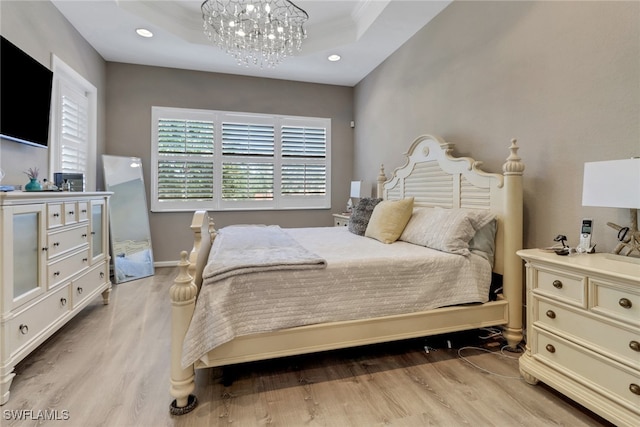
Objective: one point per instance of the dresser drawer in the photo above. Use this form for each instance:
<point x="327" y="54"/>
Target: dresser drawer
<point x="33" y="321"/>
<point x="62" y="270"/>
<point x="619" y="342"/>
<point x="615" y="301"/>
<point x="604" y="377"/>
<point x="86" y="285"/>
<point x="59" y="242"/>
<point x="54" y="215"/>
<point x="563" y="286"/>
<point x="70" y="213"/>
<point x="83" y="211"/>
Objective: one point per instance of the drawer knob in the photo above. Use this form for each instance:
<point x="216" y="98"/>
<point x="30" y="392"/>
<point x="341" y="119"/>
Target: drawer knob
<point x="551" y="314"/>
<point x="55" y="215"/>
<point x="550" y="348"/>
<point x="71" y="212"/>
<point x="85" y="259"/>
<point x="557" y="284"/>
<point x="102" y="274"/>
<point x="45" y="249"/>
<point x="634" y="388"/>
<point x="84" y="235"/>
<point x="84" y="211"/>
<point x="625" y="303"/>
<point x="24" y="329"/>
<point x="634" y="345"/>
<point x="56" y="244"/>
<point x="80" y="290"/>
<point x="56" y="274"/>
<point x="63" y="301"/>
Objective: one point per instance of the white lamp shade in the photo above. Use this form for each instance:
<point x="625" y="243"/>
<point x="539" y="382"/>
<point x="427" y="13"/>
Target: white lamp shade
<point x="359" y="189"/>
<point x="613" y="183"/>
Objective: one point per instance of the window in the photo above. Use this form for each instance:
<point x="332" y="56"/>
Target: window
<point x="238" y="161"/>
<point x="73" y="130"/>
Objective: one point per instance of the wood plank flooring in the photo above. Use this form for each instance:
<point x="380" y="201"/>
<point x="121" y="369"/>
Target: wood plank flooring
<point x="109" y="366"/>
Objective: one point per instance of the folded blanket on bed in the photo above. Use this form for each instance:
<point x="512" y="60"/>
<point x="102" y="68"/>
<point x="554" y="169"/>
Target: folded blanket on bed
<point x="249" y="249"/>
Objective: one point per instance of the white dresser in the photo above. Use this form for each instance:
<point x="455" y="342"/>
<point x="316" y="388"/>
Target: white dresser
<point x="54" y="261"/>
<point x="583" y="331"/>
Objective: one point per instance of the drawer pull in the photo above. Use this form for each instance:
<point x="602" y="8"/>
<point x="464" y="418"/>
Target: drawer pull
<point x="84" y="235"/>
<point x="84" y="211"/>
<point x="625" y="303"/>
<point x="56" y="215"/>
<point x="85" y="259"/>
<point x="557" y="284"/>
<point x="24" y="329"/>
<point x="634" y="345"/>
<point x="634" y="388"/>
<point x="550" y="348"/>
<point x="80" y="290"/>
<point x="71" y="212"/>
<point x="63" y="302"/>
<point x="45" y="249"/>
<point x="102" y="274"/>
<point x="56" y="274"/>
<point x="551" y="314"/>
<point x="56" y="244"/>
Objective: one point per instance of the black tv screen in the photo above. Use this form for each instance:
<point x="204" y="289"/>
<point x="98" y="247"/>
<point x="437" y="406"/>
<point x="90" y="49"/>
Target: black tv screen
<point x="25" y="92"/>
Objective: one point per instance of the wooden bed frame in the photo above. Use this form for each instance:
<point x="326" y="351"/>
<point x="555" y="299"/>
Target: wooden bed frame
<point x="434" y="178"/>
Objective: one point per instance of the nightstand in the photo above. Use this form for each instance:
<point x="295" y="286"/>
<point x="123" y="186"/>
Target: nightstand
<point x="341" y="219"/>
<point x="583" y="331"/>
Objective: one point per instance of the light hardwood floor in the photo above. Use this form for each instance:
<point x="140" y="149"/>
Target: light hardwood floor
<point x="110" y="367"/>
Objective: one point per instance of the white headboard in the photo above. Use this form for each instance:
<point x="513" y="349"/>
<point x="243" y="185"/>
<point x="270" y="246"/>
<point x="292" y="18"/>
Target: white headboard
<point x="433" y="177"/>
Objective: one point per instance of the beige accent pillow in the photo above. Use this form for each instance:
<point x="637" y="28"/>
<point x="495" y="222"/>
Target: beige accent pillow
<point x="447" y="230"/>
<point x="388" y="220"/>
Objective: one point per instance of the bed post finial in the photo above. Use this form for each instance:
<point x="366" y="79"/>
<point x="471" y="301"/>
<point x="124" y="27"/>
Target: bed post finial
<point x="183" y="299"/>
<point x="512" y="274"/>
<point x="514" y="165"/>
<point x="382" y="178"/>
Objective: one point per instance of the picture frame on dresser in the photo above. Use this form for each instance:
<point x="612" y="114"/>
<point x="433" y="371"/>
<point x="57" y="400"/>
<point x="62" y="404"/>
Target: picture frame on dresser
<point x="583" y="331"/>
<point x="54" y="262"/>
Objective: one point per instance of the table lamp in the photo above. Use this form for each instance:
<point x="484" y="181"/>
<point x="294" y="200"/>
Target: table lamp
<point x="359" y="189"/>
<point x="616" y="184"/>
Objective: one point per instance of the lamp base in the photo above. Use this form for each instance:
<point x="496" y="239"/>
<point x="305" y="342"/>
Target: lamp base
<point x="629" y="241"/>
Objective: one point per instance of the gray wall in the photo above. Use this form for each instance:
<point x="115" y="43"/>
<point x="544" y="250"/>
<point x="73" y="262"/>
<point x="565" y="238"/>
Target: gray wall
<point x="133" y="89"/>
<point x="561" y="77"/>
<point x="39" y="29"/>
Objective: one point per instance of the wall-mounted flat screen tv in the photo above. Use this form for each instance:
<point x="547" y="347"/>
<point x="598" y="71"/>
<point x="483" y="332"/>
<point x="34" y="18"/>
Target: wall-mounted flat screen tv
<point x="25" y="92"/>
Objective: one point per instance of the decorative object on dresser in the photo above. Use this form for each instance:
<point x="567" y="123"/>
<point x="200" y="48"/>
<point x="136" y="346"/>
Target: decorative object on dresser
<point x="583" y="331"/>
<point x="432" y="177"/>
<point x="54" y="261"/>
<point x="616" y="184"/>
<point x="341" y="219"/>
<point x="33" y="184"/>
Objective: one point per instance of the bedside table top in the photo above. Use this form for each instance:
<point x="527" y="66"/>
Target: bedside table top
<point x="343" y="215"/>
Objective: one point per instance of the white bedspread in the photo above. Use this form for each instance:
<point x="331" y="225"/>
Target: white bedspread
<point x="363" y="279"/>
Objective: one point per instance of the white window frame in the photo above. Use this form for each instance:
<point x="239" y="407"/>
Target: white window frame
<point x="63" y="74"/>
<point x="279" y="202"/>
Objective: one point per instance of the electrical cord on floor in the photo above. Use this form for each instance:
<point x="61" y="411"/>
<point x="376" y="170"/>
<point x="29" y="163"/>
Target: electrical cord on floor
<point x="513" y="377"/>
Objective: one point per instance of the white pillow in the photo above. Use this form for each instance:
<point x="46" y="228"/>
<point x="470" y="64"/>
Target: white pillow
<point x="447" y="230"/>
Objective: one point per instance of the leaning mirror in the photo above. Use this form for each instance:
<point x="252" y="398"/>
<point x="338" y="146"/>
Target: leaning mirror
<point x="131" y="253"/>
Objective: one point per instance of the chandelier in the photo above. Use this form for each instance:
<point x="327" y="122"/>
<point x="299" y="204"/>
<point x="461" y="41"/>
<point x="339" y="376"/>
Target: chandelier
<point x="255" y="32"/>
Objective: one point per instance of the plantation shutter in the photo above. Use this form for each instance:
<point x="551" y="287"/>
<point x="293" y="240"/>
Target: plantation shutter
<point x="74" y="130"/>
<point x="304" y="152"/>
<point x="224" y="160"/>
<point x="185" y="160"/>
<point x="248" y="161"/>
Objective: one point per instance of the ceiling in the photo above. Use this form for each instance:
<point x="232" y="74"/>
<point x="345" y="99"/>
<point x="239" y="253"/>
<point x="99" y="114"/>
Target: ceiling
<point x="363" y="32"/>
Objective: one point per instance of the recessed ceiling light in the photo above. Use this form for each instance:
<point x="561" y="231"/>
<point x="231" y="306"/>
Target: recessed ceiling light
<point x="143" y="32"/>
<point x="334" y="58"/>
